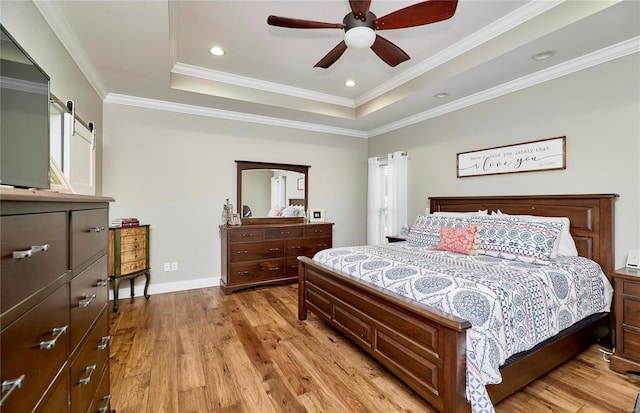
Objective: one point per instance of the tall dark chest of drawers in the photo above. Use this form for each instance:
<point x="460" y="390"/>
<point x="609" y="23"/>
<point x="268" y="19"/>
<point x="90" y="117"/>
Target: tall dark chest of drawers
<point x="54" y="339"/>
<point x="265" y="254"/>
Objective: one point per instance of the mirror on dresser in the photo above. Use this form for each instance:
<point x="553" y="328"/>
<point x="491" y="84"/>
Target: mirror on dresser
<point x="271" y="192"/>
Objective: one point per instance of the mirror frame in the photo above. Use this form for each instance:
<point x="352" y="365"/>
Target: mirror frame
<point x="250" y="165"/>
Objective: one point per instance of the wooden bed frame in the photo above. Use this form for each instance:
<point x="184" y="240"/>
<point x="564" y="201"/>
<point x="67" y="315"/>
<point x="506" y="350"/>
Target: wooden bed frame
<point x="426" y="348"/>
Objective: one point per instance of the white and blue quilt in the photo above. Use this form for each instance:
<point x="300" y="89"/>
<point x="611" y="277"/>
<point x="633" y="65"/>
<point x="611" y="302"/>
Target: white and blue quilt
<point x="511" y="305"/>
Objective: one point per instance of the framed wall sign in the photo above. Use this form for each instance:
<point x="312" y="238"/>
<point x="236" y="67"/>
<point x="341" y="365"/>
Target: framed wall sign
<point x="316" y="215"/>
<point x="541" y="155"/>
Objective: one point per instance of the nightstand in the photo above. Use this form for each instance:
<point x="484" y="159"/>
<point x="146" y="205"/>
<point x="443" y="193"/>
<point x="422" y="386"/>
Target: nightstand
<point x="626" y="303"/>
<point x="128" y="258"/>
<point x="396" y="238"/>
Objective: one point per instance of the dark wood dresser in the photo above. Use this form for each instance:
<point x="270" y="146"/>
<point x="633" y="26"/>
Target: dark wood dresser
<point x="264" y="254"/>
<point x="626" y="303"/>
<point x="54" y="339"/>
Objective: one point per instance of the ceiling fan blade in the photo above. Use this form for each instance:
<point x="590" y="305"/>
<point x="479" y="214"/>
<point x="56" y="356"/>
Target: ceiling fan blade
<point x="332" y="56"/>
<point x="389" y="52"/>
<point x="429" y="11"/>
<point x="360" y="8"/>
<point x="301" y="24"/>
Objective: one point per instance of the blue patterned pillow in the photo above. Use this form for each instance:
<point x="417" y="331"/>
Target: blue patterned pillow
<point x="426" y="228"/>
<point x="516" y="239"/>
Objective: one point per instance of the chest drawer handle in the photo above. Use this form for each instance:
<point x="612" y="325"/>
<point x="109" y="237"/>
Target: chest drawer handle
<point x="90" y="369"/>
<point x="274" y="249"/>
<point x="297" y="247"/>
<point x="101" y="283"/>
<point x="242" y="272"/>
<point x="242" y="252"/>
<point x="57" y="332"/>
<point x="274" y="269"/>
<point x="285" y="232"/>
<point x="29" y="253"/>
<point x="96" y="229"/>
<point x="104" y="408"/>
<point x="9" y="386"/>
<point x="87" y="300"/>
<point x="104" y="340"/>
<point x="247" y="235"/>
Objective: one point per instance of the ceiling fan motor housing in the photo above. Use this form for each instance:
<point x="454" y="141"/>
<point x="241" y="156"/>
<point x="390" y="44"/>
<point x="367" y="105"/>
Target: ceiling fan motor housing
<point x="350" y="21"/>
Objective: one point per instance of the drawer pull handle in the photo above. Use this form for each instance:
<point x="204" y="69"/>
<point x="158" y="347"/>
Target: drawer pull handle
<point x="247" y="235"/>
<point x="104" y="340"/>
<point x="104" y="408"/>
<point x="9" y="386"/>
<point x="96" y="229"/>
<point x="90" y="369"/>
<point x="242" y="252"/>
<point x="57" y="332"/>
<point x="323" y="245"/>
<point x="243" y="272"/>
<point x="285" y="232"/>
<point x="87" y="300"/>
<point x="297" y="247"/>
<point x="29" y="253"/>
<point x="274" y="269"/>
<point x="102" y="283"/>
<point x="274" y="249"/>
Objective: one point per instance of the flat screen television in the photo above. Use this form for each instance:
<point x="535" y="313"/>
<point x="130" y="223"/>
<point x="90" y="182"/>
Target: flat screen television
<point x="24" y="118"/>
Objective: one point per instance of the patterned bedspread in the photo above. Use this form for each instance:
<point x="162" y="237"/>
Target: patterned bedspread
<point x="511" y="305"/>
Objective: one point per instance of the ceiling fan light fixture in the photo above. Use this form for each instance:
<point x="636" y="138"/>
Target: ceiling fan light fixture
<point x="359" y="37"/>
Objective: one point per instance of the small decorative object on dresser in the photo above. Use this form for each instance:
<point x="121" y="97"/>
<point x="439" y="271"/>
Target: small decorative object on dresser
<point x="264" y="254"/>
<point x="128" y="257"/>
<point x="316" y="215"/>
<point x="627" y="320"/>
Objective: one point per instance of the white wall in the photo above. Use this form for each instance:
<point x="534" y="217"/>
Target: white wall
<point x="174" y="171"/>
<point x="596" y="109"/>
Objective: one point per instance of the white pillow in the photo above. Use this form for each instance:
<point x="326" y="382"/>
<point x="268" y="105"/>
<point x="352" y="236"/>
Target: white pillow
<point x="461" y="214"/>
<point x="564" y="245"/>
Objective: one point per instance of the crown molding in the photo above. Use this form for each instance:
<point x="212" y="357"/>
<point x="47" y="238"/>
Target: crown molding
<point x="248" y="82"/>
<point x="229" y="115"/>
<point x="55" y="19"/>
<point x="605" y="55"/>
<point x="499" y="27"/>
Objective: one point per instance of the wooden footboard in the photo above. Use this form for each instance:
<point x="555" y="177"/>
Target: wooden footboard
<point x="425" y="348"/>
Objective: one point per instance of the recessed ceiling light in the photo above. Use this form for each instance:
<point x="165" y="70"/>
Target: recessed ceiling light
<point x="216" y="51"/>
<point x="441" y="95"/>
<point x="349" y="83"/>
<point x="543" y="55"/>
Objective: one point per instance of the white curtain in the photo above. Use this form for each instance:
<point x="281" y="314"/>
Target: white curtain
<point x="374" y="196"/>
<point x="397" y="193"/>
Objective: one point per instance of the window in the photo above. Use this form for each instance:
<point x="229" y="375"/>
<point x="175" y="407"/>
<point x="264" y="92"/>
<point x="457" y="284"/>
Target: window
<point x="387" y="197"/>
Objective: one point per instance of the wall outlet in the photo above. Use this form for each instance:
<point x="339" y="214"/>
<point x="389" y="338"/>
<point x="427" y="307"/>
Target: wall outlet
<point x="167" y="266"/>
<point x="174" y="266"/>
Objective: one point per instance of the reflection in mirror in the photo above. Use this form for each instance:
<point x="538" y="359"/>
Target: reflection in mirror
<point x="269" y="190"/>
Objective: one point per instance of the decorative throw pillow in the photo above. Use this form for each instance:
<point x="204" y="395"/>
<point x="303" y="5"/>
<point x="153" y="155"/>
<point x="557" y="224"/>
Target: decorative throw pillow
<point x="462" y="240"/>
<point x="426" y="228"/>
<point x="515" y="239"/>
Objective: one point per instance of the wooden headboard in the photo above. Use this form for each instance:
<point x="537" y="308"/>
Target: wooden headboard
<point x="591" y="217"/>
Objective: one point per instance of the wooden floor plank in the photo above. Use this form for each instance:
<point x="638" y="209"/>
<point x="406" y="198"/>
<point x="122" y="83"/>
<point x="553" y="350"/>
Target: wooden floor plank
<point x="204" y="351"/>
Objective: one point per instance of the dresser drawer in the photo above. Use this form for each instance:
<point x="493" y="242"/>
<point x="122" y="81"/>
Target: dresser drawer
<point x="306" y="246"/>
<point x="631" y="312"/>
<point x="57" y="398"/>
<point x="245" y="235"/>
<point x="131" y="267"/>
<point x="89" y="234"/>
<point x="258" y="271"/>
<point x="291" y="267"/>
<point x="31" y="347"/>
<point x="631" y="345"/>
<point x="631" y="288"/>
<point x="251" y="251"/>
<point x="134" y="246"/>
<point x="87" y="368"/>
<point x="89" y="295"/>
<point x="133" y="235"/>
<point x="132" y="256"/>
<point x="21" y="277"/>
<point x="318" y="230"/>
<point x="101" y="401"/>
<point x="278" y="233"/>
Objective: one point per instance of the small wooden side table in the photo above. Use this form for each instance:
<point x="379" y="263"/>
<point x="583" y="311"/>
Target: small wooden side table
<point x="627" y="320"/>
<point x="128" y="258"/>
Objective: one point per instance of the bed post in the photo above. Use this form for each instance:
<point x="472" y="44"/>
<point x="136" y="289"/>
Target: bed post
<point x="302" y="309"/>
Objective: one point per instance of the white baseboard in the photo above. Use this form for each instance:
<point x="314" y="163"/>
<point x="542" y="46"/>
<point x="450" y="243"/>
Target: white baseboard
<point x="125" y="290"/>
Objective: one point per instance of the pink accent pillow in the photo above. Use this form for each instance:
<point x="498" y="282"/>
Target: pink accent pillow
<point x="462" y="240"/>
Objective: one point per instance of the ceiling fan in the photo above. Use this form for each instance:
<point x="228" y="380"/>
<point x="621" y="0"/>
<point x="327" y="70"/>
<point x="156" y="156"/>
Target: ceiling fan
<point x="360" y="25"/>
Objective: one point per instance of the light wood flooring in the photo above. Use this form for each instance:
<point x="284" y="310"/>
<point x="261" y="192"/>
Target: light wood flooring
<point x="202" y="351"/>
